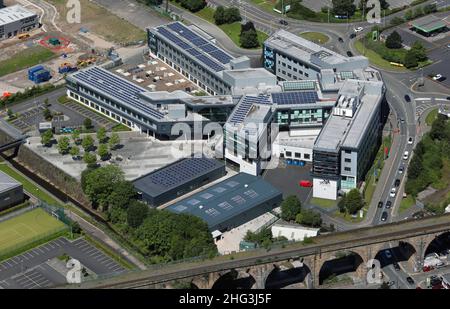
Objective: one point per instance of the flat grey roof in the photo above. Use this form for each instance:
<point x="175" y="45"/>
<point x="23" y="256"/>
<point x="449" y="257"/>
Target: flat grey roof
<point x="301" y="48"/>
<point x="7" y="183"/>
<point x="332" y="133"/>
<point x="14" y="13"/>
<point x="429" y="23"/>
<point x="227" y="199"/>
<point x="175" y="175"/>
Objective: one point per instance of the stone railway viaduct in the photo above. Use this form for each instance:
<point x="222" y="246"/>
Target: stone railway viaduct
<point x="411" y="236"/>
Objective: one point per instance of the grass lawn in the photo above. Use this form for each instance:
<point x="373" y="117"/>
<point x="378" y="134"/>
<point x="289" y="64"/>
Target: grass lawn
<point x="376" y="59"/>
<point x="100" y="21"/>
<point x="432" y="115"/>
<point x="28" y="227"/>
<point x="120" y="127"/>
<point x="407" y="203"/>
<point x="29" y="186"/>
<point x="324" y="203"/>
<point x="348" y="217"/>
<point x="316" y="37"/>
<point x="25" y="59"/>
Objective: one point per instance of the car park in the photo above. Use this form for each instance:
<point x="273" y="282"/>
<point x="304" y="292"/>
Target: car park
<point x="407" y="98"/>
<point x="388" y="204"/>
<point x="405" y="155"/>
<point x="380" y="204"/>
<point x="384" y="216"/>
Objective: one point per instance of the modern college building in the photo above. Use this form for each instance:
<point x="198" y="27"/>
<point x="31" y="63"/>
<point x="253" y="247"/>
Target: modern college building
<point x="178" y="178"/>
<point x="346" y="146"/>
<point x="231" y="202"/>
<point x="15" y="20"/>
<point x="11" y="191"/>
<point x="194" y="54"/>
<point x="291" y="57"/>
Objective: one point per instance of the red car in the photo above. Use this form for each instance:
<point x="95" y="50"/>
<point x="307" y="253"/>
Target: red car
<point x="427" y="268"/>
<point x="305" y="183"/>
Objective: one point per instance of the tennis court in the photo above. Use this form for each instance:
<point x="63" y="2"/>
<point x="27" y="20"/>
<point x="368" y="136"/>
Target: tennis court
<point x="26" y="228"/>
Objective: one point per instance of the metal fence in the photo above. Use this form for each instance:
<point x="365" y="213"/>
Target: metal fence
<point x="57" y="212"/>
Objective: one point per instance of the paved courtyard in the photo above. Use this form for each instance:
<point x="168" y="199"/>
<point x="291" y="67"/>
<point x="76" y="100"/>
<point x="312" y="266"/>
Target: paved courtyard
<point x="139" y="154"/>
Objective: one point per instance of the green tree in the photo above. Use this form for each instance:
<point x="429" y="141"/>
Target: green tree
<point x="63" y="145"/>
<point x="419" y="51"/>
<point x="87" y="143"/>
<point x="87" y="123"/>
<point x="122" y="194"/>
<point x="418" y="11"/>
<point x="409" y="15"/>
<point x="344" y="7"/>
<point x="429" y="8"/>
<point x="101" y="135"/>
<point x="290" y="208"/>
<point x="90" y="159"/>
<point x="232" y="15"/>
<point x="410" y="59"/>
<point x="438" y="131"/>
<point x="219" y="15"/>
<point x="10" y="114"/>
<point x="397" y="21"/>
<point x="75" y="227"/>
<point x="394" y="40"/>
<point x="415" y="167"/>
<point x="47" y="114"/>
<point x="309" y="218"/>
<point x="74" y="151"/>
<point x="76" y="136"/>
<point x="341" y="205"/>
<point x="353" y="201"/>
<point x="264" y="236"/>
<point x="100" y="182"/>
<point x="249" y="39"/>
<point x="103" y="151"/>
<point x="47" y="137"/>
<point x="114" y="141"/>
<point x="136" y="214"/>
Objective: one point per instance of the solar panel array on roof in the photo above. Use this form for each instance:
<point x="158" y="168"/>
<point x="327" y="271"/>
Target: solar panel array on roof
<point x="181" y="172"/>
<point x="194" y="40"/>
<point x="243" y="108"/>
<point x="304" y="97"/>
<point x="116" y="87"/>
<point x="239" y="199"/>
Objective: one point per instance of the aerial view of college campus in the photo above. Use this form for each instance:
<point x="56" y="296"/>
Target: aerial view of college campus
<point x="224" y="144"/>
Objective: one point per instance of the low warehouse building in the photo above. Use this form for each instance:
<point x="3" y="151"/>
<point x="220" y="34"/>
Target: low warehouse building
<point x="178" y="178"/>
<point x="11" y="191"/>
<point x="231" y="203"/>
<point x="293" y="232"/>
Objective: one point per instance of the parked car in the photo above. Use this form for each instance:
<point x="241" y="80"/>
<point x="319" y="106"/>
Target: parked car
<point x="437" y="77"/>
<point x="388" y="204"/>
<point x="407" y="98"/>
<point x="349" y="53"/>
<point x="380" y="204"/>
<point x="283" y="22"/>
<point x="341" y="40"/>
<point x="396" y="266"/>
<point x="352" y="36"/>
<point x="305" y="183"/>
<point x="427" y="268"/>
<point x="384" y="216"/>
<point x="358" y="29"/>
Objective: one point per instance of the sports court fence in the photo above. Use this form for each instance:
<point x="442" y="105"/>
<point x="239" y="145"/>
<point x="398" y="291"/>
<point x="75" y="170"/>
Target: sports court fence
<point x="57" y="212"/>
